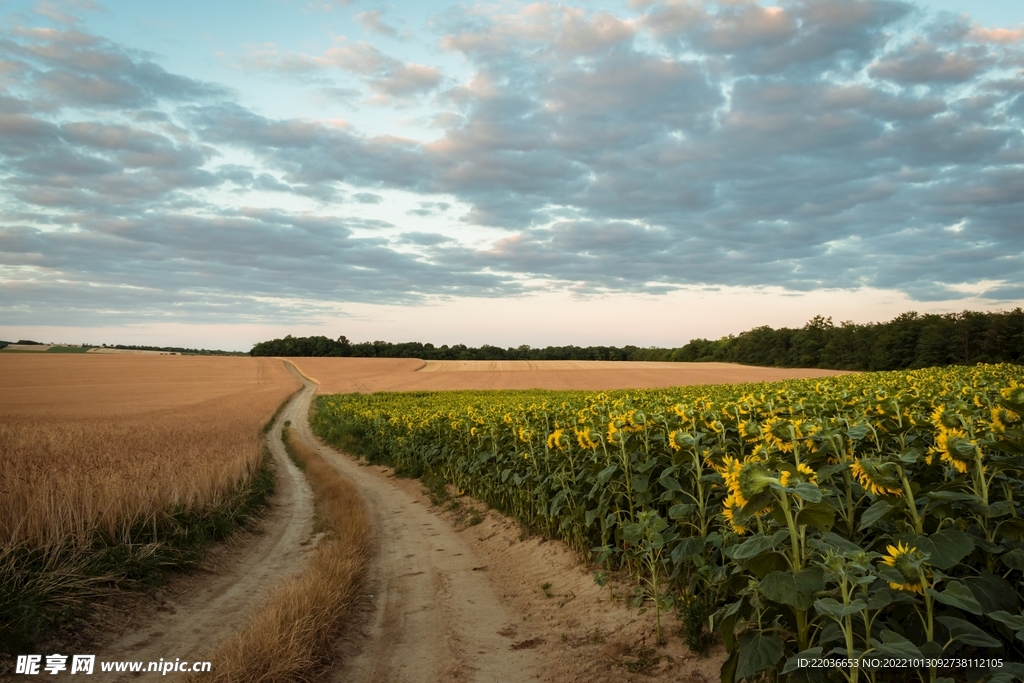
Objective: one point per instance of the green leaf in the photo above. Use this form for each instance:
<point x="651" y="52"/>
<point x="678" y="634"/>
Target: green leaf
<point x="893" y="644"/>
<point x="1009" y="672"/>
<point x="793" y="663"/>
<point x="758" y="651"/>
<point x="766" y="563"/>
<point x="681" y="511"/>
<point x="727" y="674"/>
<point x="606" y="474"/>
<point x="808" y="491"/>
<point x="879" y="599"/>
<point x="1012" y="528"/>
<point x="818" y="515"/>
<point x="670" y="484"/>
<point x="945" y="548"/>
<point x="836" y="609"/>
<point x="640" y="482"/>
<point x="687" y="548"/>
<point x="890" y="574"/>
<point x="1014" y="559"/>
<point x="951" y="496"/>
<point x="957" y="595"/>
<point x="968" y="633"/>
<point x="1003" y="507"/>
<point x="837" y="541"/>
<point x="756" y="544"/>
<point x="828" y="470"/>
<point x="858" y="432"/>
<point x="1014" y="622"/>
<point x="910" y="456"/>
<point x="632" y="533"/>
<point x="796" y="590"/>
<point x="876" y="513"/>
<point x="992" y="592"/>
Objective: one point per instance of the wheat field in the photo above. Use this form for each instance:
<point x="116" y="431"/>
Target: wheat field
<point x="96" y="449"/>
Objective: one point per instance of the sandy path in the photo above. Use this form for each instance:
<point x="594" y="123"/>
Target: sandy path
<point x="216" y="601"/>
<point x="435" y="615"/>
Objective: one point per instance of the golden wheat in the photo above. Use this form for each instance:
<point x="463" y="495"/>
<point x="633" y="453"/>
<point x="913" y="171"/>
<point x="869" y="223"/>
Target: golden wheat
<point x="290" y="636"/>
<point x="110" y="443"/>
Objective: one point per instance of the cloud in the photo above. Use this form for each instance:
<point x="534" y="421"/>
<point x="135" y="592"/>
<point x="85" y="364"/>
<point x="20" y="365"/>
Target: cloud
<point x="813" y="145"/>
<point x="388" y="78"/>
<point x="923" y="63"/>
<point x="373" y="22"/>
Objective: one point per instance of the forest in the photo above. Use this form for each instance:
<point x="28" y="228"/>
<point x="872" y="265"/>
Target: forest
<point x="908" y="341"/>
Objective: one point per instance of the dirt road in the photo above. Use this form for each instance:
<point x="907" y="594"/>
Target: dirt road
<point x="450" y="602"/>
<point x="435" y="616"/>
<point x="213" y="603"/>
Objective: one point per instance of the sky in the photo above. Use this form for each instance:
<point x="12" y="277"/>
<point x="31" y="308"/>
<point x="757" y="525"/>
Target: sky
<point x="642" y="172"/>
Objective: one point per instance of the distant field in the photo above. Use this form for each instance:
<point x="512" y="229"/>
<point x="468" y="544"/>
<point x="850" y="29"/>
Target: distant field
<point x="56" y="388"/>
<point x="366" y="375"/>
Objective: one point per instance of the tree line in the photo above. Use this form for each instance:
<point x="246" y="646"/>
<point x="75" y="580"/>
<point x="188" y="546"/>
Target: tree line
<point x="342" y="347"/>
<point x="910" y="340"/>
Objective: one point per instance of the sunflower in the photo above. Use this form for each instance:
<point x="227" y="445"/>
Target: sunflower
<point x="585" y="438"/>
<point x="877" y="477"/>
<point x="753" y="478"/>
<point x="556" y="440"/>
<point x="945" y="417"/>
<point x="731" y="510"/>
<point x="750" y="430"/>
<point x="953" y="446"/>
<point x="1013" y="393"/>
<point x="803" y="474"/>
<point x="907" y="560"/>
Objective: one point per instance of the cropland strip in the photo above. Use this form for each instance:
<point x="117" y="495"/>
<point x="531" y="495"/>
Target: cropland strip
<point x="215" y="602"/>
<point x="367" y="375"/>
<point x="115" y="468"/>
<point x="764" y="505"/>
<point x="290" y="636"/>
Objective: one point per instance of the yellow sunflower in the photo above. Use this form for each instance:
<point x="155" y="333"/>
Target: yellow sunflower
<point x="907" y="560"/>
<point x="876" y="477"/>
<point x="953" y="446"/>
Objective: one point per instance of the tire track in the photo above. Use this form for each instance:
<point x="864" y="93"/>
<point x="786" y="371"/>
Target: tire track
<point x="434" y="616"/>
<point x="219" y="600"/>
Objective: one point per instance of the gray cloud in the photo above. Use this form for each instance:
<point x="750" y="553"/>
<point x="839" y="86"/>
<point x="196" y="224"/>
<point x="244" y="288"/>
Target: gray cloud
<point x="826" y="144"/>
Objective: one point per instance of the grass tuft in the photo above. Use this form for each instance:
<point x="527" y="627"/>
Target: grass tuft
<point x="289" y="638"/>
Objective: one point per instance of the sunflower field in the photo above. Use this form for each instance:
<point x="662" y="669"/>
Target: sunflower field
<point x="863" y="527"/>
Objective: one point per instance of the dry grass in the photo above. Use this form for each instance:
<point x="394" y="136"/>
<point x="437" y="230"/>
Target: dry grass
<point x="104" y="456"/>
<point x="290" y="637"/>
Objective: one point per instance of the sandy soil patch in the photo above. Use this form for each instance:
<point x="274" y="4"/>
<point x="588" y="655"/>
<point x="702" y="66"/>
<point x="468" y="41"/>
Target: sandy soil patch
<point x="366" y="375"/>
<point x="27" y="347"/>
